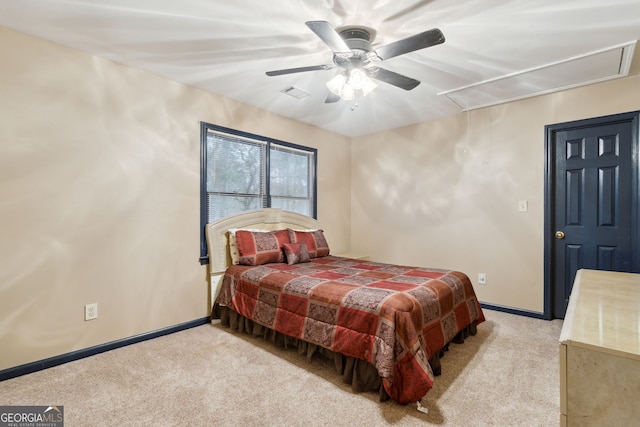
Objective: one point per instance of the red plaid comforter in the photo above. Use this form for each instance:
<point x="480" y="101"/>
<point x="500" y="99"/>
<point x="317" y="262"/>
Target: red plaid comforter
<point x="394" y="317"/>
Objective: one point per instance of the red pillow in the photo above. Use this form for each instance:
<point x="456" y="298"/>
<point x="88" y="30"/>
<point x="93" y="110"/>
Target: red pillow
<point x="258" y="247"/>
<point x="296" y="252"/>
<point x="316" y="243"/>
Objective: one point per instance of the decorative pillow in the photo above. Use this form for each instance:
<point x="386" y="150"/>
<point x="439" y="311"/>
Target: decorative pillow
<point x="316" y="243"/>
<point x="261" y="247"/>
<point x="296" y="252"/>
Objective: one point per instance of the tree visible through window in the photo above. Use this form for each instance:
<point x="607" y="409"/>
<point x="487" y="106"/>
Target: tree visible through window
<point x="241" y="171"/>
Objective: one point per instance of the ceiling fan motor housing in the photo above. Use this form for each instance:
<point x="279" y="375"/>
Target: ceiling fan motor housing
<point x="358" y="39"/>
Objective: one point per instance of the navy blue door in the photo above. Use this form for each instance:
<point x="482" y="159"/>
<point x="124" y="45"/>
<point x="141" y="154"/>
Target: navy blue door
<point x="593" y="201"/>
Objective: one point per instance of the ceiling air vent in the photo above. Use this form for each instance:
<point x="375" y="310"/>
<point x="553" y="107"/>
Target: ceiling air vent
<point x="606" y="64"/>
<point x="295" y="92"/>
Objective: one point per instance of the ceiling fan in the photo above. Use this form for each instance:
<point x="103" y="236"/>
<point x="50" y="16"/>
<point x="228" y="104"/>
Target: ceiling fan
<point x="357" y="60"/>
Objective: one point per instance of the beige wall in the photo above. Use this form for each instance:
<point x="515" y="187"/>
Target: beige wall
<point x="99" y="196"/>
<point x="445" y="193"/>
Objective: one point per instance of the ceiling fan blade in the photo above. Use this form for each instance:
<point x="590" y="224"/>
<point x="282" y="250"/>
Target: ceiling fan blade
<point x="395" y="79"/>
<point x="331" y="98"/>
<point x="329" y="36"/>
<point x="419" y="41"/>
<point x="299" y="70"/>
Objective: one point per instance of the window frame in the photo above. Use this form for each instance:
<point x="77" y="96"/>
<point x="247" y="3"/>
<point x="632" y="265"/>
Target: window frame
<point x="204" y="214"/>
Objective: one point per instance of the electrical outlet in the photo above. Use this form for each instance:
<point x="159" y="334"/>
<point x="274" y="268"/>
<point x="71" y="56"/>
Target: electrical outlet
<point x="482" y="279"/>
<point x="91" y="311"/>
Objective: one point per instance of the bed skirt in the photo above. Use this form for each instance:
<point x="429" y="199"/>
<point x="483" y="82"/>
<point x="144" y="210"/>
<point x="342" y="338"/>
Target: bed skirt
<point x="360" y="374"/>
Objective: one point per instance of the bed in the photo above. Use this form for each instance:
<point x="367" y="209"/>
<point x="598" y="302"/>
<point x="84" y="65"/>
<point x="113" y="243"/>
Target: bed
<point x="385" y="326"/>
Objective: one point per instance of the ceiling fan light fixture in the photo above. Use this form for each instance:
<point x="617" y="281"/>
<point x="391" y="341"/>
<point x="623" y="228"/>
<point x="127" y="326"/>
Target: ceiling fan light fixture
<point x="347" y="86"/>
<point x="359" y="80"/>
<point x="336" y="84"/>
<point x="348" y="93"/>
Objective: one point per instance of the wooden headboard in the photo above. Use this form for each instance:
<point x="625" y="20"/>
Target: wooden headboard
<point x="260" y="219"/>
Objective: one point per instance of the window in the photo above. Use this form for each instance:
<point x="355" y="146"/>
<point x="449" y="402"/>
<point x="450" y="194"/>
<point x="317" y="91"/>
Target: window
<point x="242" y="171"/>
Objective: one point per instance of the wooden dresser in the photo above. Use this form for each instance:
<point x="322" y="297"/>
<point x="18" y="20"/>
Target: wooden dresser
<point x="600" y="351"/>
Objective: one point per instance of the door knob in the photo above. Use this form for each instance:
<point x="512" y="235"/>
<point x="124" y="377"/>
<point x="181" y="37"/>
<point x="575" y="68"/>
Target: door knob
<point x="559" y="235"/>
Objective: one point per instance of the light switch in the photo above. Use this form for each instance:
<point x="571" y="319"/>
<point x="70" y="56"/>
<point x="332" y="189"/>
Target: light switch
<point x="523" y="206"/>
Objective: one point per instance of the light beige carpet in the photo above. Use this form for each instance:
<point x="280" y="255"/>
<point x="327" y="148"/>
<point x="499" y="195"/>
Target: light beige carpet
<point x="506" y="375"/>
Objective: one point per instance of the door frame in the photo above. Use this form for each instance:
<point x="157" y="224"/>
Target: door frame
<point x="549" y="191"/>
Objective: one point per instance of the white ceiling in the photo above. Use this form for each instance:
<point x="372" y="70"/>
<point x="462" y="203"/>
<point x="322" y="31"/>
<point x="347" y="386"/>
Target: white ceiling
<point x="225" y="46"/>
